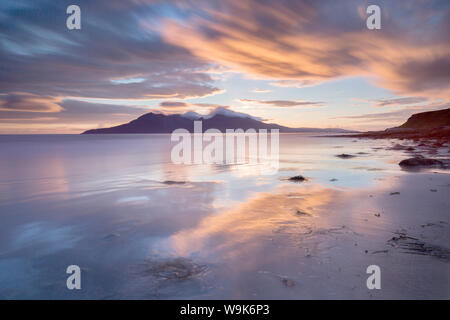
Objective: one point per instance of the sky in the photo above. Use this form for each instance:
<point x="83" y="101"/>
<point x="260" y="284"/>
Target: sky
<point x="298" y="63"/>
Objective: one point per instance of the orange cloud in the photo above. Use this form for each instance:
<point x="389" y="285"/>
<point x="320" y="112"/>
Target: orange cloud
<point x="302" y="41"/>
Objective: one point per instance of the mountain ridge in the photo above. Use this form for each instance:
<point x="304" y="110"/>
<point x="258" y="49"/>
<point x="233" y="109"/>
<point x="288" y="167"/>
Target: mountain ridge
<point x="423" y="125"/>
<point x="428" y="120"/>
<point x="161" y="123"/>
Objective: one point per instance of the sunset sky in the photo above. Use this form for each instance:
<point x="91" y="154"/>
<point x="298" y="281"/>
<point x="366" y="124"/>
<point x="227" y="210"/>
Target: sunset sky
<point x="297" y="63"/>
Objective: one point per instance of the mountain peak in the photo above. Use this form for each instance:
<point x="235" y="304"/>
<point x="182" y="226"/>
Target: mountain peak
<point x="218" y="111"/>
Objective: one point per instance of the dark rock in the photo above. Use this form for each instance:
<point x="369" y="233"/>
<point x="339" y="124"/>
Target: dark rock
<point x="111" y="236"/>
<point x="380" y="251"/>
<point x="345" y="156"/>
<point x="420" y="161"/>
<point x="170" y="182"/>
<point x="297" y="178"/>
<point x="288" y="282"/>
<point x="398" y="147"/>
<point x="301" y="213"/>
<point x="176" y="269"/>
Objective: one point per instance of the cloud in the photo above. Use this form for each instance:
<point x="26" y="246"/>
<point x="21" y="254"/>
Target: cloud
<point x="398" y="116"/>
<point x="138" y="50"/>
<point x="220" y="110"/>
<point x="261" y="90"/>
<point x="397" y="101"/>
<point x="295" y="83"/>
<point x="111" y="57"/>
<point x="71" y="111"/>
<point x="318" y="41"/>
<point x="283" y="103"/>
<point x="176" y="104"/>
<point x="183" y="104"/>
<point x="27" y="102"/>
<point x="73" y="117"/>
<point x="175" y="107"/>
<point x="31" y="119"/>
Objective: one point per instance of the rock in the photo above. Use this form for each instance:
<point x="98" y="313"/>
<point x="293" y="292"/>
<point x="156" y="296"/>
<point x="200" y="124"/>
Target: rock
<point x="111" y="236"/>
<point x="394" y="193"/>
<point x="288" y="282"/>
<point x="419" y="161"/>
<point x="171" y="182"/>
<point x="298" y="178"/>
<point x="345" y="156"/>
<point x="377" y="215"/>
<point x="334" y="179"/>
<point x="301" y="213"/>
<point x="398" y="147"/>
<point x="175" y="269"/>
<point x="380" y="251"/>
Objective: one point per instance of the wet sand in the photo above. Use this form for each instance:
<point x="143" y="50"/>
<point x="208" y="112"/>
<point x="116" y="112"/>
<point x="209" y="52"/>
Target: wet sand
<point x="310" y="242"/>
<point x="145" y="228"/>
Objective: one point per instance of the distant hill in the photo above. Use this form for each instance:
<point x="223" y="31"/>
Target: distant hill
<point x="428" y="120"/>
<point x="221" y="119"/>
<point x="424" y="125"/>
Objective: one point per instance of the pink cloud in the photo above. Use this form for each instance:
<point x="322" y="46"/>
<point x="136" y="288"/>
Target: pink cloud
<point x="310" y="42"/>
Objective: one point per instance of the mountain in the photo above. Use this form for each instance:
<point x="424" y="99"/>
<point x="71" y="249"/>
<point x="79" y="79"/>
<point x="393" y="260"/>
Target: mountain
<point x="220" y="119"/>
<point x="424" y="125"/>
<point x="428" y="120"/>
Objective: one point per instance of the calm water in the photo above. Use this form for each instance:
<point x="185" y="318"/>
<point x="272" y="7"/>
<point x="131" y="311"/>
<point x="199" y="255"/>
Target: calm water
<point x="216" y="231"/>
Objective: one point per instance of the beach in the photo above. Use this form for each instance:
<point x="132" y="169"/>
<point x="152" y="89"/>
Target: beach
<point x="142" y="227"/>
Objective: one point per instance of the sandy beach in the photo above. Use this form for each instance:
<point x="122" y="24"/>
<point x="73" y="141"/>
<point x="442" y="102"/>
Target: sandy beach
<point x="142" y="227"/>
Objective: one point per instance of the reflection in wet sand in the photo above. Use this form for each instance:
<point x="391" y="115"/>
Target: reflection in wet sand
<point x="246" y="227"/>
